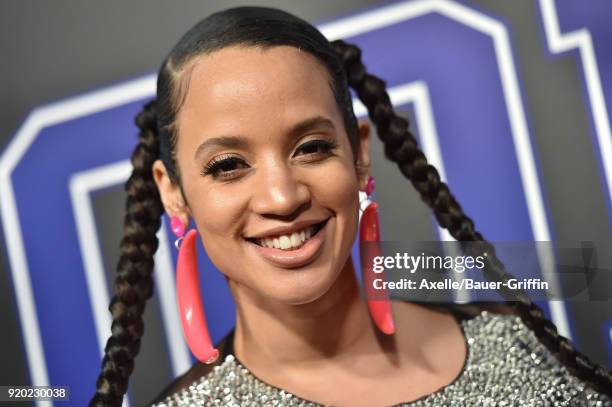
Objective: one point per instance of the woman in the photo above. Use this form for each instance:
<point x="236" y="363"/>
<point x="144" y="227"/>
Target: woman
<point x="253" y="137"/>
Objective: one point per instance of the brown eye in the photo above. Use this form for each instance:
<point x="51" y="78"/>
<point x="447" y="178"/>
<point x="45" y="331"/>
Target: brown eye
<point x="316" y="147"/>
<point x="223" y="167"/>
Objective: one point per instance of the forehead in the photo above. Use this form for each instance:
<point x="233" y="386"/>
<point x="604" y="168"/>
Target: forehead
<point x="254" y="87"/>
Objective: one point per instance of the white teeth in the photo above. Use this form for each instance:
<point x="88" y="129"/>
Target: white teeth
<point x="284" y="242"/>
<point x="295" y="239"/>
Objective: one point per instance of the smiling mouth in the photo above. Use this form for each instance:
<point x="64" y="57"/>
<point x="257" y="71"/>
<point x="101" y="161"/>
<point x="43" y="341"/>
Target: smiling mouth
<point x="291" y="241"/>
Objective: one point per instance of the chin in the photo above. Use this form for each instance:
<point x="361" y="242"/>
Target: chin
<point x="300" y="292"/>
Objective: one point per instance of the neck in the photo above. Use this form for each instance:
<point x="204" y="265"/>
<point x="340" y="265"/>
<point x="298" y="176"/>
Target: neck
<point x="334" y="325"/>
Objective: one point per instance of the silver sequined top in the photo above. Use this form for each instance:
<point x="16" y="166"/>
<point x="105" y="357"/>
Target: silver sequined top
<point x="506" y="366"/>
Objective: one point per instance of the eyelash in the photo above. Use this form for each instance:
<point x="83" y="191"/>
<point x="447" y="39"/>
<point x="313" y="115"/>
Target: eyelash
<point x="218" y="163"/>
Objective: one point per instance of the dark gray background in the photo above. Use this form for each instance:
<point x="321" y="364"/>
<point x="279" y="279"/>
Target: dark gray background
<point x="51" y="50"/>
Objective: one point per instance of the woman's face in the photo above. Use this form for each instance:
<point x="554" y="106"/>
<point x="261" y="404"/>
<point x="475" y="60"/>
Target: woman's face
<point x="261" y="146"/>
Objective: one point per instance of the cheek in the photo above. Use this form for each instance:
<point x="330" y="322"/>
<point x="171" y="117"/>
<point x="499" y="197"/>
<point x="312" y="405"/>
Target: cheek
<point x="341" y="190"/>
<point x="217" y="213"/>
<point x="342" y="196"/>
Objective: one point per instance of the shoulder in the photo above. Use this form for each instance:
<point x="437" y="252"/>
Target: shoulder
<point x="505" y="350"/>
<point x="470" y="310"/>
<point x="196" y="373"/>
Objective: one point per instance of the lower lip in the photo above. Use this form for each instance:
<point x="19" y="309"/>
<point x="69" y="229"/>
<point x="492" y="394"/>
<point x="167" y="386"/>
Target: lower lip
<point x="297" y="257"/>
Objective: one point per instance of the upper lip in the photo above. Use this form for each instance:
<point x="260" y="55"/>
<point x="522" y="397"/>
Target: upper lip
<point x="286" y="230"/>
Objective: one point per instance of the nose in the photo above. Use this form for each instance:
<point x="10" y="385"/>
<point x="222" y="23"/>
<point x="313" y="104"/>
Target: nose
<point x="279" y="190"/>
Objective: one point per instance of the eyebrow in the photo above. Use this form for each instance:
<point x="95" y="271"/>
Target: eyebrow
<point x="241" y="142"/>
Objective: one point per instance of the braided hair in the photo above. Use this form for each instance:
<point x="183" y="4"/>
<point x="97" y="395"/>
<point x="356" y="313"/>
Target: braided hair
<point x="266" y="27"/>
<point x="133" y="284"/>
<point x="401" y="148"/>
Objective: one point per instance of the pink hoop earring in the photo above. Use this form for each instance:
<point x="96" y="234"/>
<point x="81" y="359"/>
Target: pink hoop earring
<point x="369" y="247"/>
<point x="191" y="308"/>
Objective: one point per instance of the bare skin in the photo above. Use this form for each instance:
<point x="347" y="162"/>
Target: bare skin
<point x="339" y="358"/>
<point x="304" y="329"/>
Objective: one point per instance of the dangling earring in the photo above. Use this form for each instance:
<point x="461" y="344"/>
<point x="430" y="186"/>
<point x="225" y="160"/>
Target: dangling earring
<point x="369" y="247"/>
<point x="190" y="304"/>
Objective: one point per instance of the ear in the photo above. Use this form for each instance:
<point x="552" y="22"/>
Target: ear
<point x="170" y="193"/>
<point x="363" y="154"/>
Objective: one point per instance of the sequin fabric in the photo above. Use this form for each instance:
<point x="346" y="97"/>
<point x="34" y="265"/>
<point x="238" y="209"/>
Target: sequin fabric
<point x="506" y="366"/>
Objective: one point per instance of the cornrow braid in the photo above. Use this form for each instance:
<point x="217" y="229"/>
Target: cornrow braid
<point x="133" y="284"/>
<point x="401" y="147"/>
